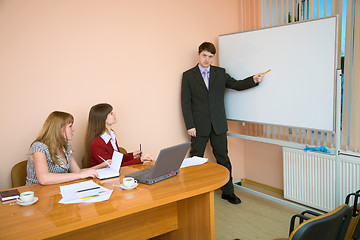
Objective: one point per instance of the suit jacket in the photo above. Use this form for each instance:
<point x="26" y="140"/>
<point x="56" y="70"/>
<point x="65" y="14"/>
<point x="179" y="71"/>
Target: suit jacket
<point x="203" y="108"/>
<point x="98" y="147"/>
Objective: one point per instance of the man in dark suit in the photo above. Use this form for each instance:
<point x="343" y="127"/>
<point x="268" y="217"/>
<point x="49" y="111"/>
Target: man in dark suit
<point x="202" y="101"/>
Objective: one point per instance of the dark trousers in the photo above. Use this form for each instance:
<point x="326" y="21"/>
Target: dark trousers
<point x="220" y="151"/>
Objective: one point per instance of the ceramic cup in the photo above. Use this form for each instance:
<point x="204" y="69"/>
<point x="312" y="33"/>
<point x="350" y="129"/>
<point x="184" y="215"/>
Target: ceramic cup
<point x="27" y="196"/>
<point x="129" y="181"/>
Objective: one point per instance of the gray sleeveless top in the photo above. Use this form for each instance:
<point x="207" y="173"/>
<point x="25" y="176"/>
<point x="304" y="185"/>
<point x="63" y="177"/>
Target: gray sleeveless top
<point x="53" y="168"/>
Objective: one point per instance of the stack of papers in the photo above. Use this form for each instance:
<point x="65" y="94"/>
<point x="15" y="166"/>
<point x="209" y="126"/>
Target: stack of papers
<point x="193" y="161"/>
<point x="84" y="192"/>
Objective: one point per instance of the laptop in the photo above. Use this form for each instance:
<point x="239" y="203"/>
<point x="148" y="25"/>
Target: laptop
<point x="167" y="165"/>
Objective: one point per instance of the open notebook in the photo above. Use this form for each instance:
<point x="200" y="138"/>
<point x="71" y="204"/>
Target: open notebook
<point x="114" y="169"/>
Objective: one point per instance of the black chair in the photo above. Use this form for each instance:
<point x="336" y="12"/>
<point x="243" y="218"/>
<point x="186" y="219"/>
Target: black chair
<point x="329" y="226"/>
<point x="353" y="232"/>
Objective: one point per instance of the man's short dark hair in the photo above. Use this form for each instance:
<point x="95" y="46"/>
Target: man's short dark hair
<point x="207" y="46"/>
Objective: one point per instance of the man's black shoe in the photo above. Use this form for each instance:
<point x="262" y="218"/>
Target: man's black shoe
<point x="231" y="198"/>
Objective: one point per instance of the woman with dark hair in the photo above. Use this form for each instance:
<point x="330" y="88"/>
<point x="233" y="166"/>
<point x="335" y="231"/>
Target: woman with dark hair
<point x="50" y="158"/>
<point x="100" y="142"/>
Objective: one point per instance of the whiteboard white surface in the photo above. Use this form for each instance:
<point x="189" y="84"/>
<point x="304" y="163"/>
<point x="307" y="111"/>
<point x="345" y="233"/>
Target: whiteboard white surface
<point x="299" y="91"/>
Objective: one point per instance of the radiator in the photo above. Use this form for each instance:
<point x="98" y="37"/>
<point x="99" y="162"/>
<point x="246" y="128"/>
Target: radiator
<point x="309" y="178"/>
<point x="349" y="176"/>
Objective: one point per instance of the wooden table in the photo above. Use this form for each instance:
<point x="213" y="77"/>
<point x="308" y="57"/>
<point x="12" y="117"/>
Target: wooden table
<point x="181" y="207"/>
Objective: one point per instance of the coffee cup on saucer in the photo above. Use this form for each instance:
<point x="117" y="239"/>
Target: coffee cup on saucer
<point x="129" y="182"/>
<point x="26" y="197"/>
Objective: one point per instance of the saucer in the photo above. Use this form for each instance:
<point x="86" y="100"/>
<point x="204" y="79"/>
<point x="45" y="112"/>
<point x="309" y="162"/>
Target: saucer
<point x="128" y="188"/>
<point x="18" y="201"/>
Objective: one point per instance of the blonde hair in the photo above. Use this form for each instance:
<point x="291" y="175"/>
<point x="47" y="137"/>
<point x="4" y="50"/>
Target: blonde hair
<point x="96" y="127"/>
<point x="51" y="133"/>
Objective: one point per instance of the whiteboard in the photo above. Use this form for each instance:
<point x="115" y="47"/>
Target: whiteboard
<point x="299" y="91"/>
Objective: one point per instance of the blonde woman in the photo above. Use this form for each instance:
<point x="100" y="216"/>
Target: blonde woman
<point x="50" y="159"/>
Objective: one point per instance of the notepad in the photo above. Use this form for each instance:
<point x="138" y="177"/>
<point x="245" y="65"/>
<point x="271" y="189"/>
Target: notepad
<point x="9" y="194"/>
<point x="114" y="169"/>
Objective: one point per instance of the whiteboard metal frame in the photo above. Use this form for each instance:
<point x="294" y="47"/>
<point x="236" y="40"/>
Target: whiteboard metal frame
<point x="337" y="137"/>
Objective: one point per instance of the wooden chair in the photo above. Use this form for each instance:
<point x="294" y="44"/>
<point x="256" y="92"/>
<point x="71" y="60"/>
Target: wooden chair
<point x="354" y="226"/>
<point x="329" y="226"/>
<point x="122" y="150"/>
<point x="18" y="174"/>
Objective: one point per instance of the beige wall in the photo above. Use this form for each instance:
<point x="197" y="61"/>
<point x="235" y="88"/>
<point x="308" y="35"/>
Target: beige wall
<point x="263" y="163"/>
<point x="71" y="54"/>
<point x="256" y="161"/>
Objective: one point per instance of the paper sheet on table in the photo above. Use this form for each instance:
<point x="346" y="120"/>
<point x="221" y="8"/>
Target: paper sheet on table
<point x="74" y="193"/>
<point x="114" y="170"/>
<point x="193" y="161"/>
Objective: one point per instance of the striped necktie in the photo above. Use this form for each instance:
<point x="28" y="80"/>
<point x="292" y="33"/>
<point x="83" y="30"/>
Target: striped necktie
<point x="206" y="79"/>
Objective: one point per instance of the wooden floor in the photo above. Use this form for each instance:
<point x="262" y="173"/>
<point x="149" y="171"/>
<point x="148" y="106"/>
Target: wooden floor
<point x="254" y="218"/>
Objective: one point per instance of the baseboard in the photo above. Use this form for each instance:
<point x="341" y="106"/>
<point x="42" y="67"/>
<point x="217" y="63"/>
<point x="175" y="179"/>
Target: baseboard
<point x="264" y="186"/>
<point x="281" y="201"/>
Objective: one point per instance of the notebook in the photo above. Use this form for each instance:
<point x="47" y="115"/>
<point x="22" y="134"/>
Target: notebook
<point x="167" y="165"/>
<point x="114" y="169"/>
<point x="9" y="194"/>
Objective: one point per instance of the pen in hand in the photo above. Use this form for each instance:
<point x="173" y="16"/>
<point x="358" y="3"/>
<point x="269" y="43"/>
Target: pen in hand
<point x="140" y="150"/>
<point x="104" y="160"/>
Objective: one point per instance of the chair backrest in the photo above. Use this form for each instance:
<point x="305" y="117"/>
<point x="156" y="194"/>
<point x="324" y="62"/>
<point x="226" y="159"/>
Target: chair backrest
<point x="356" y="229"/>
<point x="329" y="226"/>
<point x="122" y="150"/>
<point x="354" y="226"/>
<point x="18" y="174"/>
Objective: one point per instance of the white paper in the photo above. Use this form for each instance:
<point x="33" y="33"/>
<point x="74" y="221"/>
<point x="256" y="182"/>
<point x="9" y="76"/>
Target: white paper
<point x="114" y="169"/>
<point x="74" y="193"/>
<point x="193" y="161"/>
